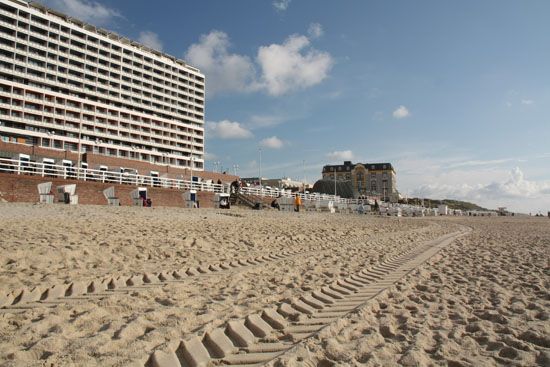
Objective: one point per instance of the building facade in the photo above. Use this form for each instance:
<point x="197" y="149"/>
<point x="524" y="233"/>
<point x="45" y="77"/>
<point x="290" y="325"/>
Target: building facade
<point x="65" y="85"/>
<point x="367" y="179"/>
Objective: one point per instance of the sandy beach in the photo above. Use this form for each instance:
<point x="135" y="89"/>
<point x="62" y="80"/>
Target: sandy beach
<point x="482" y="300"/>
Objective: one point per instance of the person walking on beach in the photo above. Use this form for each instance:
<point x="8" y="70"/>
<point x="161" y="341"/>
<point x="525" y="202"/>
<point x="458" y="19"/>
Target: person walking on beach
<point x="297" y="202"/>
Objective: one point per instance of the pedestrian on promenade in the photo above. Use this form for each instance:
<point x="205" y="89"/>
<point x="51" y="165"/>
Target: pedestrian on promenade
<point x="297" y="202"/>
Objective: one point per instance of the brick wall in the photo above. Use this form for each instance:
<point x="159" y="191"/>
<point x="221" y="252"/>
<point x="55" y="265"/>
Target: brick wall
<point x="94" y="160"/>
<point x="23" y="188"/>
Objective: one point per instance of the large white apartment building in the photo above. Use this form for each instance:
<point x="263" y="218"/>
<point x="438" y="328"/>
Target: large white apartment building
<point x="65" y="83"/>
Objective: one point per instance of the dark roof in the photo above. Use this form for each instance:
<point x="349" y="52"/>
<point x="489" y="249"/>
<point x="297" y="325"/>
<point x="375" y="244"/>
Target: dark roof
<point x="344" y="189"/>
<point x="348" y="166"/>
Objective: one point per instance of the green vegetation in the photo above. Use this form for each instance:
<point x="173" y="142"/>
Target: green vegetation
<point x="452" y="204"/>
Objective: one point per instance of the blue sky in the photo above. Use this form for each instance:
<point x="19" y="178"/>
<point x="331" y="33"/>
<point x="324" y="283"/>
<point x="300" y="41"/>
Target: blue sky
<point x="455" y="94"/>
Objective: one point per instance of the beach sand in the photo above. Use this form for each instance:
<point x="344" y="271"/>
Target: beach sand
<point x="484" y="300"/>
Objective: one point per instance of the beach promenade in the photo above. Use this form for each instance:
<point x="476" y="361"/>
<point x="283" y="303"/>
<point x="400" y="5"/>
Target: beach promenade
<point x="105" y="286"/>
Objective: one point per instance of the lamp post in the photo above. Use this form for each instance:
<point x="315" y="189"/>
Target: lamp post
<point x="192" y="164"/>
<point x="191" y="169"/>
<point x="79" y="144"/>
<point x="165" y="160"/>
<point x="98" y="142"/>
<point x="335" y="181"/>
<point x="235" y="168"/>
<point x="260" y="169"/>
<point x="51" y="134"/>
<point x="304" y="175"/>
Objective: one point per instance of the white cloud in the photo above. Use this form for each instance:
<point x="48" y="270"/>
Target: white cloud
<point x="527" y="101"/>
<point x="272" y="142"/>
<point x="209" y="156"/>
<point x="334" y="95"/>
<point x="227" y="130"/>
<point x="514" y="191"/>
<point x="315" y="30"/>
<point x="401" y="112"/>
<point x="292" y="65"/>
<point x="224" y="71"/>
<point x="438" y="173"/>
<point x="85" y="10"/>
<point x="477" y="162"/>
<point x="286" y="67"/>
<point x="150" y="39"/>
<point x="340" y="155"/>
<point x="281" y="5"/>
<point x="515" y="187"/>
<point x="262" y="121"/>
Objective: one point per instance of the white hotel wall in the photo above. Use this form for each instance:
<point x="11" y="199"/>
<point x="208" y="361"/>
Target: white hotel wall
<point x="63" y="76"/>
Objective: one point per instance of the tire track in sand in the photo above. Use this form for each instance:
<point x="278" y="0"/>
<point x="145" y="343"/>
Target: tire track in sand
<point x="262" y="337"/>
<point x="22" y="299"/>
<point x="25" y="298"/>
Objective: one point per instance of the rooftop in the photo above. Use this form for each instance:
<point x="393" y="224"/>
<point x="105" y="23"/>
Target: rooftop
<point x="348" y="166"/>
<point x="100" y="31"/>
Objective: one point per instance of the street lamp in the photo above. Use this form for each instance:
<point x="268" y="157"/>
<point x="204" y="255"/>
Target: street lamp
<point x="334" y="180"/>
<point x="165" y="160"/>
<point x="235" y="168"/>
<point x="79" y="144"/>
<point x="51" y="134"/>
<point x="304" y="175"/>
<point x="260" y="169"/>
<point x="192" y="160"/>
<point x="98" y="142"/>
<point x="192" y="163"/>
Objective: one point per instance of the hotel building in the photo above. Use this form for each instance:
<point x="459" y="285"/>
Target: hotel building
<point x="372" y="179"/>
<point x="65" y="84"/>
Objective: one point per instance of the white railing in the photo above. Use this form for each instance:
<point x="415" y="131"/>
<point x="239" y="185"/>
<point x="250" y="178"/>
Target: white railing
<point x="23" y="167"/>
<point x="310" y="197"/>
<point x="43" y="169"/>
<point x="274" y="192"/>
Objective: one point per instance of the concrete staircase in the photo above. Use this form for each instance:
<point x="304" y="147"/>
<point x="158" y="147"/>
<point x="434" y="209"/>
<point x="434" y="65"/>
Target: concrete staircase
<point x="249" y="201"/>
